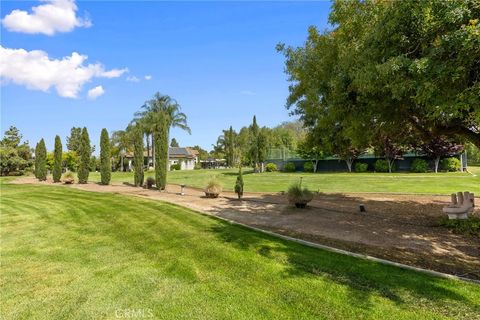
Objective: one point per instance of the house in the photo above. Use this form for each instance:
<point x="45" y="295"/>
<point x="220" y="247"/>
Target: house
<point x="186" y="157"/>
<point x="183" y="156"/>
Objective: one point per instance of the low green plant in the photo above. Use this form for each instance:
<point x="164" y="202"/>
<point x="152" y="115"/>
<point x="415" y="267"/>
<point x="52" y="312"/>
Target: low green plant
<point x="308" y="167"/>
<point x="176" y="166"/>
<point x="381" y="165"/>
<point x="213" y="188"/>
<point x="271" y="167"/>
<point x="68" y="177"/>
<point x="361" y="167"/>
<point x="419" y="166"/>
<point x="299" y="195"/>
<point x="289" y="167"/>
<point x="239" y="184"/>
<point x="197" y="166"/>
<point x="450" y="164"/>
<point x="470" y="226"/>
<point x="150" y="182"/>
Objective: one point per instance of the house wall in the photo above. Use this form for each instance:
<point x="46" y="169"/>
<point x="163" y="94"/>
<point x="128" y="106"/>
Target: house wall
<point x="186" y="164"/>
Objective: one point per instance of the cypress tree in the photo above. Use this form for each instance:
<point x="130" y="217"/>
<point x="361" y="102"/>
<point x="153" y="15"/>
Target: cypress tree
<point x="138" y="156"/>
<point x="254" y="152"/>
<point x="57" y="160"/>
<point x="41" y="157"/>
<point x="84" y="151"/>
<point x="239" y="184"/>
<point x="161" y="153"/>
<point x="37" y="151"/>
<point x="105" y="161"/>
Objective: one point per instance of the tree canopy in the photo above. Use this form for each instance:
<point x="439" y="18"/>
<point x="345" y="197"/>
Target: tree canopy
<point x="396" y="68"/>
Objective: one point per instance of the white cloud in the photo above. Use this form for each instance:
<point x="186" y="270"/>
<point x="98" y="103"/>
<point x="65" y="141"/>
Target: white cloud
<point x="36" y="71"/>
<point x="96" y="92"/>
<point x="148" y="77"/>
<point x="133" y="79"/>
<point x="49" y="18"/>
<point x="247" y="93"/>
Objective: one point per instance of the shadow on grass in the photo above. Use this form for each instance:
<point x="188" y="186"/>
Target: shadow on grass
<point x="363" y="278"/>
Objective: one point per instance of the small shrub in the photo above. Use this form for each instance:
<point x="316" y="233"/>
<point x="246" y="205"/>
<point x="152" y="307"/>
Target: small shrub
<point x="381" y="165"/>
<point x="308" y="167"/>
<point x="289" y="167"/>
<point x="299" y="195"/>
<point x="450" y="164"/>
<point x="150" y="182"/>
<point x="470" y="226"/>
<point x="271" y="167"/>
<point x="68" y="177"/>
<point x="419" y="165"/>
<point x="361" y="167"/>
<point x="239" y="184"/>
<point x="176" y="166"/>
<point x="213" y="188"/>
<point x="197" y="166"/>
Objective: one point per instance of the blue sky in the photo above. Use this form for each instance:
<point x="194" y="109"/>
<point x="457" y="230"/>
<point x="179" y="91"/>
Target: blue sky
<point x="218" y="59"/>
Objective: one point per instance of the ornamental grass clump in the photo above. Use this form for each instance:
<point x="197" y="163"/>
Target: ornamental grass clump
<point x="68" y="177"/>
<point x="298" y="195"/>
<point x="213" y="188"/>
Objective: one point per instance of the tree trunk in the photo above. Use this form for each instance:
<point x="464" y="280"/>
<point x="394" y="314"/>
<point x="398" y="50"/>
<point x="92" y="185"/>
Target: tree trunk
<point x="349" y="164"/>
<point x="315" y="167"/>
<point x="437" y="161"/>
<point x="153" y="153"/>
<point x="148" y="151"/>
<point x="390" y="163"/>
<point x="121" y="162"/>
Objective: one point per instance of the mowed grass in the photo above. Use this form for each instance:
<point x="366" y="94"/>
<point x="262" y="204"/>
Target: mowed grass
<point x="428" y="183"/>
<point x="73" y="254"/>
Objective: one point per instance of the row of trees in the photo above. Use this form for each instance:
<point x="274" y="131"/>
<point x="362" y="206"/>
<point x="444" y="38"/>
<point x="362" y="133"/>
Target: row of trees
<point x="151" y="126"/>
<point x="390" y="77"/>
<point x="83" y="148"/>
<point x="250" y="146"/>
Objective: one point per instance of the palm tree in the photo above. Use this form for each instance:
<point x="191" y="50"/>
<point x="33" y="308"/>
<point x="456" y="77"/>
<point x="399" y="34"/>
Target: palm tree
<point x="121" y="141"/>
<point x="161" y="106"/>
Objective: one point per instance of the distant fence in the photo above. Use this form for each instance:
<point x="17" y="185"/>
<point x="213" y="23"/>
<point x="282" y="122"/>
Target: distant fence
<point x="331" y="164"/>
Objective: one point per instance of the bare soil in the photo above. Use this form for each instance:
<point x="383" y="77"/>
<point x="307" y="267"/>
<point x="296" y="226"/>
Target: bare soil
<point x="401" y="228"/>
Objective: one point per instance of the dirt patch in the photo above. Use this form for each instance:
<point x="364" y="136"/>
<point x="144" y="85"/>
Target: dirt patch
<point x="401" y="228"/>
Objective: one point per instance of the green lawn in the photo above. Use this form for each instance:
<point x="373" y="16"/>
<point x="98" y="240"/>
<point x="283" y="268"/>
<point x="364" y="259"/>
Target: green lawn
<point x="440" y="183"/>
<point x="67" y="253"/>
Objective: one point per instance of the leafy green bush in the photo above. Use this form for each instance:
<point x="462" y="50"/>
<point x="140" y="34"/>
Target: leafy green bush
<point x="361" y="167"/>
<point x="198" y="166"/>
<point x="308" y="167"/>
<point x="470" y="226"/>
<point x="150" y="182"/>
<point x="271" y="167"/>
<point x="289" y="167"/>
<point x="176" y="166"/>
<point x="299" y="195"/>
<point x="450" y="164"/>
<point x="419" y="165"/>
<point x="381" y="165"/>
